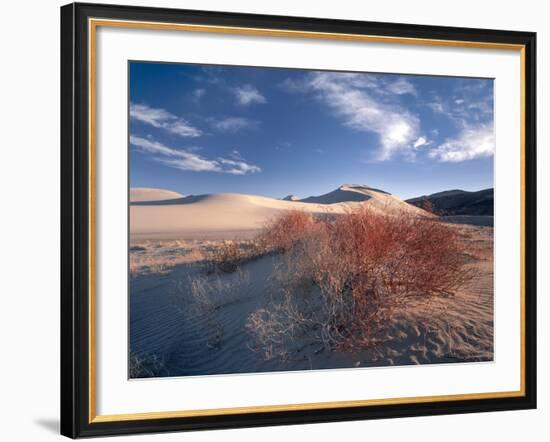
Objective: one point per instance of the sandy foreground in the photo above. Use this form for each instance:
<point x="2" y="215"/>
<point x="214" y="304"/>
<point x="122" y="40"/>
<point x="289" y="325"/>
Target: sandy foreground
<point x="169" y="326"/>
<point x="185" y="321"/>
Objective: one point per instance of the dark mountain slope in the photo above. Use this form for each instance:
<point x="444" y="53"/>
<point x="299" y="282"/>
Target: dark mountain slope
<point x="458" y="202"/>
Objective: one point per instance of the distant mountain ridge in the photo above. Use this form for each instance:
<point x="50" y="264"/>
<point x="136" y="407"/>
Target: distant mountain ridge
<point x="458" y="202"/>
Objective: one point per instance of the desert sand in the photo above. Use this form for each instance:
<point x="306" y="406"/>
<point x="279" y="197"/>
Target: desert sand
<point x="139" y="194"/>
<point x="231" y="215"/>
<point x="173" y="334"/>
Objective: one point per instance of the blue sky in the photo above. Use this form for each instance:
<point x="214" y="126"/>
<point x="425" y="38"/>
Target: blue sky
<point x="202" y="129"/>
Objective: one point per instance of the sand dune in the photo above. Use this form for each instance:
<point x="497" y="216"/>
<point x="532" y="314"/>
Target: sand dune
<point x="172" y="238"/>
<point x="230" y="215"/>
<point x="347" y="192"/>
<point x="140" y="194"/>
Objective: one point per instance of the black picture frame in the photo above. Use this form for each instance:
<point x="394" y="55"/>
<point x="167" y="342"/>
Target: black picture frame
<point x="75" y="221"/>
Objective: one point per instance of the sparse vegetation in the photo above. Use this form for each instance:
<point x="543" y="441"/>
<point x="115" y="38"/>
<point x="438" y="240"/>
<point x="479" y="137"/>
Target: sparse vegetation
<point x="278" y="236"/>
<point x="229" y="255"/>
<point x="337" y="284"/>
<point x="282" y="233"/>
<point x="428" y="206"/>
<point x="341" y="280"/>
<point x="158" y="257"/>
<point x="208" y="293"/>
<point x="146" y="366"/>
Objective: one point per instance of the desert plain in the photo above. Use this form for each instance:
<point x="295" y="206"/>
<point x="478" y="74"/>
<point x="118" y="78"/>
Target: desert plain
<point x="204" y="300"/>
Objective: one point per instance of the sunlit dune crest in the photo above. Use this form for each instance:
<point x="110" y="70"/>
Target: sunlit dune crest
<point x="141" y="194"/>
<point x="167" y="214"/>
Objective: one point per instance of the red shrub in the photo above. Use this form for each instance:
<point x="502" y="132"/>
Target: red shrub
<point x="281" y="233"/>
<point x="402" y="255"/>
<point x="364" y="264"/>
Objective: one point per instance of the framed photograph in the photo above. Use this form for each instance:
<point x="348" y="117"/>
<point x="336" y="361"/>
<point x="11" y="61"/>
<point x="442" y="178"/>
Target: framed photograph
<point x="274" y="220"/>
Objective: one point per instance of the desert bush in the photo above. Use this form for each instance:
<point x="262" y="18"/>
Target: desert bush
<point x="161" y="257"/>
<point x="205" y="294"/>
<point x="428" y="206"/>
<point x="278" y="235"/>
<point x="146" y="366"/>
<point x="227" y="257"/>
<point x="340" y="284"/>
<point x="277" y="328"/>
<point x="281" y="233"/>
<point x="230" y="255"/>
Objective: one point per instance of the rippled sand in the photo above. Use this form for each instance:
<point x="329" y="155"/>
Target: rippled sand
<point x="174" y="334"/>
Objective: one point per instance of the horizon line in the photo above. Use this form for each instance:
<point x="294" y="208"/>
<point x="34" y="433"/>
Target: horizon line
<point x="376" y="189"/>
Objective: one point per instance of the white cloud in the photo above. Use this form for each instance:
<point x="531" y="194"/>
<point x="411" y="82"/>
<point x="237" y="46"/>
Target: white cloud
<point x="373" y="103"/>
<point x="234" y="124"/>
<point x="472" y="103"/>
<point x="437" y="106"/>
<point x="236" y="155"/>
<point x="192" y="162"/>
<point x="351" y="99"/>
<point x="163" y="119"/>
<point x="189" y="160"/>
<point x="470" y="143"/>
<point x="470" y="109"/>
<point x="291" y="85"/>
<point x="248" y="94"/>
<point x="238" y="167"/>
<point x="150" y="146"/>
<point x="421" y="141"/>
<point x="401" y="86"/>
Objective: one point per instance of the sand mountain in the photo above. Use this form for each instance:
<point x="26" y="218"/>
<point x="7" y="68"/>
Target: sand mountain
<point x="142" y="194"/>
<point x="347" y="193"/>
<point x="220" y="214"/>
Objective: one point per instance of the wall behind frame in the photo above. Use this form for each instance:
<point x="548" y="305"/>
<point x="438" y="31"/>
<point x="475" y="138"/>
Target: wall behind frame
<point x="29" y="245"/>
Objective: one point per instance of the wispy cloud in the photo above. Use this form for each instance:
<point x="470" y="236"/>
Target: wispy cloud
<point x="401" y="86"/>
<point x="234" y="124"/>
<point x="471" y="102"/>
<point x="352" y="98"/>
<point x="470" y="109"/>
<point x="373" y="103"/>
<point x="162" y="119"/>
<point x="284" y="146"/>
<point x="189" y="160"/>
<point x="421" y="141"/>
<point x="469" y="144"/>
<point x="245" y="94"/>
<point x="198" y="93"/>
<point x="238" y="167"/>
<point x="212" y="75"/>
<point x="248" y="94"/>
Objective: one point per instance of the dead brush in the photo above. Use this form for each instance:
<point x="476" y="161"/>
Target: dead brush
<point x="364" y="265"/>
<point x="227" y="257"/>
<point x="230" y="255"/>
<point x="280" y="234"/>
